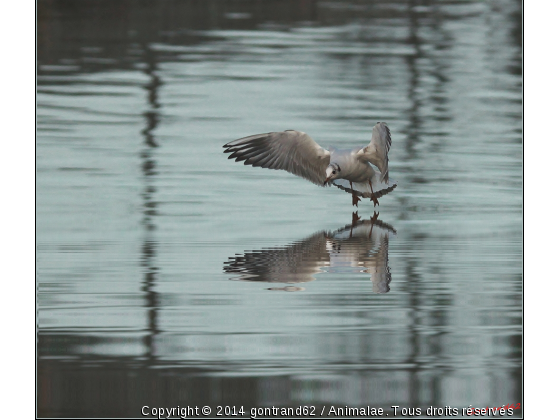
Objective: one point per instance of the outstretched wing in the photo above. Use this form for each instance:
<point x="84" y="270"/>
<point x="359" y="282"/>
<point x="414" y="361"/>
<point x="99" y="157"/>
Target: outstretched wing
<point x="377" y="151"/>
<point x="292" y="151"/>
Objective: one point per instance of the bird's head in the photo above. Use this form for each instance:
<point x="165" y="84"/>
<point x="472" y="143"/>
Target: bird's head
<point x="332" y="172"/>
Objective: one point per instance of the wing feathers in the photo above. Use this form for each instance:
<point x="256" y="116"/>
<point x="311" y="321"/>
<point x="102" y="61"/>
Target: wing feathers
<point x="377" y="151"/>
<point x="292" y="151"/>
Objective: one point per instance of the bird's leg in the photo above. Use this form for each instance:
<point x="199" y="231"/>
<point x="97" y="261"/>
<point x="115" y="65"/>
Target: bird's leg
<point x="375" y="202"/>
<point x="355" y="197"/>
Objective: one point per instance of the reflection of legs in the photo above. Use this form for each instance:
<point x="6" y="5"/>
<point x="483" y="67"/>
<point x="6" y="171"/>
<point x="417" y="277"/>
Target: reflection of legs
<point x="375" y="202"/>
<point x="373" y="219"/>
<point x="355" y="197"/>
<point x="355" y="218"/>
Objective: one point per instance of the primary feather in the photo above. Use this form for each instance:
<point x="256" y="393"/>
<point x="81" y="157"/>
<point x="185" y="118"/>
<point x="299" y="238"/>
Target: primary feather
<point x="292" y="151"/>
<point x="377" y="151"/>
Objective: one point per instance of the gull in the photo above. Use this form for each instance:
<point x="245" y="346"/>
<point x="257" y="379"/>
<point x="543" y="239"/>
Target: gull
<point x="296" y="152"/>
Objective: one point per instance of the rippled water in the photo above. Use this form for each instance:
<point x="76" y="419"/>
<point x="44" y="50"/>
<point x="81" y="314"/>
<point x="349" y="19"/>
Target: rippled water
<point x="163" y="267"/>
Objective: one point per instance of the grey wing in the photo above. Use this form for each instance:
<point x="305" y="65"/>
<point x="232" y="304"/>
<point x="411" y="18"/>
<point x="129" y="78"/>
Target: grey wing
<point x="292" y="151"/>
<point x="377" y="151"/>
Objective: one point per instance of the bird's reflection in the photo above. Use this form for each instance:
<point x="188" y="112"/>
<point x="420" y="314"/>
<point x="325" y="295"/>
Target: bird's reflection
<point x="362" y="246"/>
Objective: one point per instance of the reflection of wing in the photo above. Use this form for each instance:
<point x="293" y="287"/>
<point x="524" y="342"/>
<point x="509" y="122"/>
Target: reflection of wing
<point x="362" y="247"/>
<point x="365" y="245"/>
<point x="295" y="263"/>
<point x="377" y="266"/>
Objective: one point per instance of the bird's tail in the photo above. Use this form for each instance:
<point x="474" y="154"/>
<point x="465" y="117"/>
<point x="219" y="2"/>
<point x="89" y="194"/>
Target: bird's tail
<point x="380" y="188"/>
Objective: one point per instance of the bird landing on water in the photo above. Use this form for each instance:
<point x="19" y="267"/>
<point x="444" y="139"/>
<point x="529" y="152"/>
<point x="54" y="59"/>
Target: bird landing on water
<point x="348" y="169"/>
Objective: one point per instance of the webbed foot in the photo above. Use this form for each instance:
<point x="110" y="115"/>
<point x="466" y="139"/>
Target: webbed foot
<point x="355" y="197"/>
<point x="373" y="198"/>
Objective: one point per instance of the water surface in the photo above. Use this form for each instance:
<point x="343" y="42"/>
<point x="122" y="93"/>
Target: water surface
<point x="169" y="275"/>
